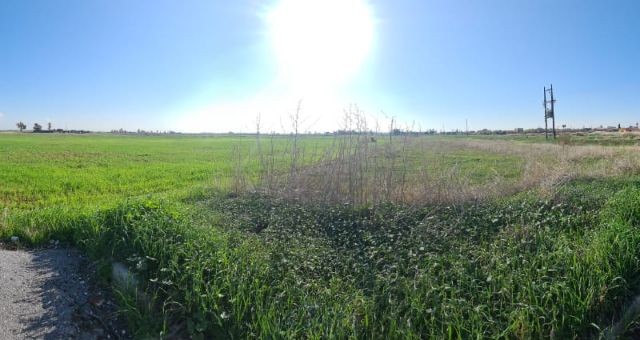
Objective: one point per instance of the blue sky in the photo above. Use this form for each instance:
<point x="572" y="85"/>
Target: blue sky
<point x="213" y="65"/>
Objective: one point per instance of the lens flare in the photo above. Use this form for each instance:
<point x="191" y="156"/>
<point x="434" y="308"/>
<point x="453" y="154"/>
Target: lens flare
<point x="320" y="43"/>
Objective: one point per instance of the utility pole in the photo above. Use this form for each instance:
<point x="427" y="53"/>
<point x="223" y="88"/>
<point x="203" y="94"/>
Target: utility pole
<point x="546" y="132"/>
<point x="553" y="116"/>
<point x="549" y="111"/>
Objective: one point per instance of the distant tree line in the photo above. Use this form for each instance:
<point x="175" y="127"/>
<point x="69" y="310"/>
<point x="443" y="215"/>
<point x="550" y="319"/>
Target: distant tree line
<point x="143" y="132"/>
<point x="37" y="128"/>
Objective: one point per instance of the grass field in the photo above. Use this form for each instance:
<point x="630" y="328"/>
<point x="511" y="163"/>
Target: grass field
<point x="46" y="170"/>
<point x="323" y="237"/>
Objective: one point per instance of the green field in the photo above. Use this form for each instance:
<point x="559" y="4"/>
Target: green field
<point x="347" y="236"/>
<point x="46" y="170"/>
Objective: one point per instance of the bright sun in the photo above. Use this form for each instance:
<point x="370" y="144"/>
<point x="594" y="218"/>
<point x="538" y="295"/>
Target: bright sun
<point x="320" y="43"/>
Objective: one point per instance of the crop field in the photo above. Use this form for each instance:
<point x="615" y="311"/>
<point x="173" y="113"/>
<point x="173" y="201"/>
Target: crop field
<point x="48" y="170"/>
<point x="347" y="236"/>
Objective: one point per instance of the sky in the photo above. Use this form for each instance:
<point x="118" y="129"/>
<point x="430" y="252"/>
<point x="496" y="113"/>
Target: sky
<point x="215" y="66"/>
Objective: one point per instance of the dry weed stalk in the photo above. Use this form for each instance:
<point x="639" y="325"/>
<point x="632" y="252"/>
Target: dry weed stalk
<point x="361" y="167"/>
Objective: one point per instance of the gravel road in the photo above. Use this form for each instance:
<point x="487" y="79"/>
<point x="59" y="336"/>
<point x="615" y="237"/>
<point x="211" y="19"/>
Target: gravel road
<point x="45" y="294"/>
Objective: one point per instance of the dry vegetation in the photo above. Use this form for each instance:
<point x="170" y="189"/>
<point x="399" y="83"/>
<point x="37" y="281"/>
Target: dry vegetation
<point x="368" y="167"/>
<point x="546" y="166"/>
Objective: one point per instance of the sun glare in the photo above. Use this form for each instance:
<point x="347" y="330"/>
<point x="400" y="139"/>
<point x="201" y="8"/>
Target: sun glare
<point x="320" y="43"/>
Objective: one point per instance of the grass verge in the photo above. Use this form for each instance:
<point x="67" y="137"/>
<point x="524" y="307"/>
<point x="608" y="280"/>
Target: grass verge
<point x="516" y="267"/>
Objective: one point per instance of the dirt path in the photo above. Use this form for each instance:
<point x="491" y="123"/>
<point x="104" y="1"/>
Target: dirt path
<point x="46" y="294"/>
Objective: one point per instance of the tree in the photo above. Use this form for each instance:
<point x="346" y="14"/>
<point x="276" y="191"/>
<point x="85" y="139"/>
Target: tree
<point x="21" y="126"/>
<point x="49" y="126"/>
<point x="37" y="127"/>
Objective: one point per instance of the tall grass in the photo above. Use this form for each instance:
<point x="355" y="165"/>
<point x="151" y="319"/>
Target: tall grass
<point x="520" y="268"/>
<point x="364" y="166"/>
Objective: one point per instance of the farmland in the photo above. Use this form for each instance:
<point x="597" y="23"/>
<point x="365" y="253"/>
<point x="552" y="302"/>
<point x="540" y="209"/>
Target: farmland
<point x="347" y="236"/>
